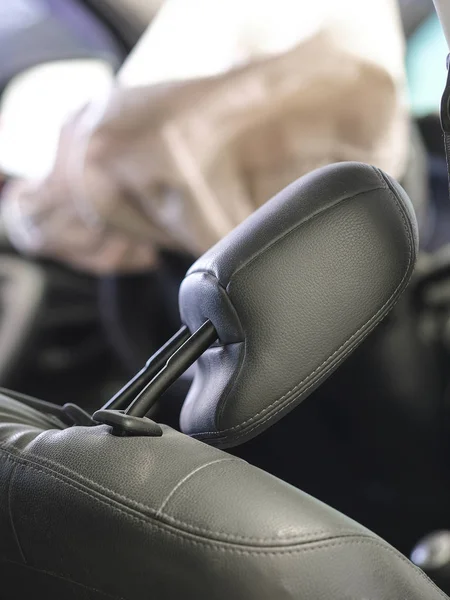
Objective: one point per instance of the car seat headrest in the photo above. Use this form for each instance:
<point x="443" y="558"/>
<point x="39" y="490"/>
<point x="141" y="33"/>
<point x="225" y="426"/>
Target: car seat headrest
<point x="291" y="292"/>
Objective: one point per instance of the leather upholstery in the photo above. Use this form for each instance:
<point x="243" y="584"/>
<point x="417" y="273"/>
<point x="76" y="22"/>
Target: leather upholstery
<point x="291" y="292"/>
<point x="87" y="515"/>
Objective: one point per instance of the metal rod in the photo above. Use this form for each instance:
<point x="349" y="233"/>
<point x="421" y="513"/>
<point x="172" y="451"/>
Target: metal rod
<point x="176" y="365"/>
<point x="154" y="364"/>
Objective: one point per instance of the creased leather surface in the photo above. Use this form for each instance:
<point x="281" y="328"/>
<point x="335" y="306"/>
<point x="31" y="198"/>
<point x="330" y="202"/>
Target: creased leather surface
<point x="308" y="275"/>
<point x="86" y="515"/>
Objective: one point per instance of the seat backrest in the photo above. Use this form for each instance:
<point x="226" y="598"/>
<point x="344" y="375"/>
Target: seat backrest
<point x="88" y="515"/>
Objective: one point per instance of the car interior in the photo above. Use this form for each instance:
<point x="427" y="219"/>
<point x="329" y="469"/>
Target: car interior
<point x="270" y="420"/>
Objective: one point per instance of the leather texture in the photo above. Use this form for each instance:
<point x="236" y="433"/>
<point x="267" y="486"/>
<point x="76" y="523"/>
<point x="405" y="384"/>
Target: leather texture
<point x="87" y="515"/>
<point x="291" y="292"/>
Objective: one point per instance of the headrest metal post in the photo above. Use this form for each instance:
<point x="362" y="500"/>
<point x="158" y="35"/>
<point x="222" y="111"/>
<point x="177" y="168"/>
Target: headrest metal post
<point x="154" y="364"/>
<point x="176" y="365"/>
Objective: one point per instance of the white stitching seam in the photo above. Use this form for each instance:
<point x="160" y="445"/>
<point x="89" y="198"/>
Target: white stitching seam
<point x="159" y="512"/>
<point x="274" y="405"/>
<point x="135" y="505"/>
<point x="314" y="545"/>
<point x="64" y="578"/>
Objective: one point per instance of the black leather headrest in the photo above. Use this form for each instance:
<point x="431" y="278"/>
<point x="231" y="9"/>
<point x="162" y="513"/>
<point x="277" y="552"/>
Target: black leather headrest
<point x="291" y="292"/>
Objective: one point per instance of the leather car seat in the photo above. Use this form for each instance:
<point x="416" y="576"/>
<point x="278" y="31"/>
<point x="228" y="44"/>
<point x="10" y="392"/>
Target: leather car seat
<point x="88" y="513"/>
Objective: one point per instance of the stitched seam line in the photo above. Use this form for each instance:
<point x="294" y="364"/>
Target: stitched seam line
<point x="354" y="539"/>
<point x="285" y="405"/>
<point x="310" y="217"/>
<point x="289" y="231"/>
<point x="222" y="403"/>
<point x="13" y="527"/>
<point x="186" y="478"/>
<point x="57" y="576"/>
<point x="362" y="329"/>
<point x="172" y="522"/>
<point x="160" y="526"/>
<point x="180" y="535"/>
